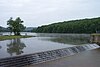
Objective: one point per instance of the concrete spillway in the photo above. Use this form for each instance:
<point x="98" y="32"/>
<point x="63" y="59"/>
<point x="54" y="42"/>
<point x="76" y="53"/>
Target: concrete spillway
<point x="19" y="61"/>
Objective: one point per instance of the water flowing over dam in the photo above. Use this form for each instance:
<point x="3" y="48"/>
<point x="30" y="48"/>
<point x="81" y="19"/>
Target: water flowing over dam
<point x="40" y="57"/>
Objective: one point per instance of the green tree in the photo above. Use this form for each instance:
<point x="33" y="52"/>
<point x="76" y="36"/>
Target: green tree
<point x="16" y="25"/>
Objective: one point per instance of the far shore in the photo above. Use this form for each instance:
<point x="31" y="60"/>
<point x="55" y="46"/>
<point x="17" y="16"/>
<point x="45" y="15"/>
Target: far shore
<point x="7" y="37"/>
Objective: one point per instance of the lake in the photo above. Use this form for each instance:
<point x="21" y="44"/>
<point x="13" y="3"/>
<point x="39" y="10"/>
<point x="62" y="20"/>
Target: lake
<point x="42" y="42"/>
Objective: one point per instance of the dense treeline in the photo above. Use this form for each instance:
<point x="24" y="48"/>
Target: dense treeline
<point x="73" y="26"/>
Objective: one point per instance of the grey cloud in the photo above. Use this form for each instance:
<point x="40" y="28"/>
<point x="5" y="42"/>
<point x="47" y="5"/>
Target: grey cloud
<point x="39" y="12"/>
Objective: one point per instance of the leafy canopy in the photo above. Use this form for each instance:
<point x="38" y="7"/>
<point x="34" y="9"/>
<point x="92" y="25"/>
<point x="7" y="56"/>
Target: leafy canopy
<point x="16" y="25"/>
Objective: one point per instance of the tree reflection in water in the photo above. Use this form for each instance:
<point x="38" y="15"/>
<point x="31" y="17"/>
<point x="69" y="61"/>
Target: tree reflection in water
<point x="15" y="47"/>
<point x="0" y="47"/>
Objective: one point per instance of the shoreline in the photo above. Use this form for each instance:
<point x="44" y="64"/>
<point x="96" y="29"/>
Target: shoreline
<point x="7" y="37"/>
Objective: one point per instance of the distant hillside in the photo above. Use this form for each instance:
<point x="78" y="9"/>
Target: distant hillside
<point x="2" y="29"/>
<point x="29" y="29"/>
<point x="74" y="26"/>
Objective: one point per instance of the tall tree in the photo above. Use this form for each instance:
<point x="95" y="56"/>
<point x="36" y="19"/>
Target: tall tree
<point x="16" y="25"/>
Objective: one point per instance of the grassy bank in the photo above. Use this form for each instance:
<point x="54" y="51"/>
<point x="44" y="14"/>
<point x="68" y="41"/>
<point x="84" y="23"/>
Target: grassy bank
<point x="95" y="34"/>
<point x="12" y="37"/>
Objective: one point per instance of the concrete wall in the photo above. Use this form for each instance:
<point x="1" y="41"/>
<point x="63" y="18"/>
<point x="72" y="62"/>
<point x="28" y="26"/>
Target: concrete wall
<point x="95" y="39"/>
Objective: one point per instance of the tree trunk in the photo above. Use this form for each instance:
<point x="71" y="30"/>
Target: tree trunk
<point x="18" y="33"/>
<point x="14" y="33"/>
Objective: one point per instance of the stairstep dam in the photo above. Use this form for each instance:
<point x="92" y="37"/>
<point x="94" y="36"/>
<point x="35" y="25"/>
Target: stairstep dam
<point x="36" y="58"/>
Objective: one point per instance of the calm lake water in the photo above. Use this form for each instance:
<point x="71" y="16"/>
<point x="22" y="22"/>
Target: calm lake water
<point x="42" y="42"/>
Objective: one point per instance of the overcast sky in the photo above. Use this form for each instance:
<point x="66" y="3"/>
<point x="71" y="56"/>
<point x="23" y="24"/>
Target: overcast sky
<point x="40" y="12"/>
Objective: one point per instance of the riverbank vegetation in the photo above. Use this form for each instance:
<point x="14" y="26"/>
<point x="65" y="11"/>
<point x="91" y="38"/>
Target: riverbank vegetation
<point x="74" y="26"/>
<point x="12" y="37"/>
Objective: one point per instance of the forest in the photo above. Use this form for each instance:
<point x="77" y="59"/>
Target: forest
<point x="73" y="26"/>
